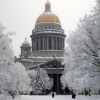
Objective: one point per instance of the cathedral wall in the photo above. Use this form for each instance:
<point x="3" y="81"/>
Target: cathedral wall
<point x="48" y="53"/>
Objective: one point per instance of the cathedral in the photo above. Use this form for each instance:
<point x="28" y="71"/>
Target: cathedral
<point x="47" y="47"/>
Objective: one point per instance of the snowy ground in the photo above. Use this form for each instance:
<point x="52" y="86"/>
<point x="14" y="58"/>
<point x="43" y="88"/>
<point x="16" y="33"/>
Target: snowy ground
<point x="67" y="97"/>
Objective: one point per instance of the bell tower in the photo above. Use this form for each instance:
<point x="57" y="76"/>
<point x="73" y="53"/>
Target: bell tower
<point x="25" y="49"/>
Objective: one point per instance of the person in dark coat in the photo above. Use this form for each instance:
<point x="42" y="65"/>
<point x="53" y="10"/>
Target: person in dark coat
<point x="53" y="95"/>
<point x="73" y="95"/>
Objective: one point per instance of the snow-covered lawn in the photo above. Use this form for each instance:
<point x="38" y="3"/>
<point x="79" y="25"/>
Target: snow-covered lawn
<point x="57" y="97"/>
<point x="68" y="97"/>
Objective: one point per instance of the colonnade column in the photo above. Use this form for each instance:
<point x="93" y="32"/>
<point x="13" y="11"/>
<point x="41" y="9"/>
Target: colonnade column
<point x="39" y="43"/>
<point x="58" y="84"/>
<point x="32" y="44"/>
<point x="52" y="43"/>
<point x="35" y="43"/>
<point x="43" y="43"/>
<point x="47" y="43"/>
<point x="60" y="43"/>
<point x="63" y="44"/>
<point x="56" y="43"/>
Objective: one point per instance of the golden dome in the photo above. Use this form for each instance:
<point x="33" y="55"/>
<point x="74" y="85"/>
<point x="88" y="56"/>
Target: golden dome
<point x="48" y="16"/>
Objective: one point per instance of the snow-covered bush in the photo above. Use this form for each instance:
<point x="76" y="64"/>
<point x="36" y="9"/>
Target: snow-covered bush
<point x="82" y="59"/>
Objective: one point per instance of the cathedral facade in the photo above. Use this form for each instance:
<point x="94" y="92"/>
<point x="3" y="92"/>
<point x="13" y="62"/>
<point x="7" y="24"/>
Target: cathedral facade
<point x="47" y="47"/>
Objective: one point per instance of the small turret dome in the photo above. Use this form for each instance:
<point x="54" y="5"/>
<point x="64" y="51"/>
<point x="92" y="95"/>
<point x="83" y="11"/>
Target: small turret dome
<point x="25" y="43"/>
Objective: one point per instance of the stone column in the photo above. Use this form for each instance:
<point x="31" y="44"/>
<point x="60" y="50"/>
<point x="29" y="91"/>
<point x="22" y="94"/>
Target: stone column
<point x="52" y="43"/>
<point x="34" y="44"/>
<point x="47" y="43"/>
<point x="61" y="44"/>
<point x="38" y="42"/>
<point x="56" y="43"/>
<point x="43" y="42"/>
<point x="58" y="46"/>
<point x="58" y="84"/>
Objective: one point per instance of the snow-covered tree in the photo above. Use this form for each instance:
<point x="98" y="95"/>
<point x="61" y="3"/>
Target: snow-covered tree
<point x="82" y="59"/>
<point x="40" y="81"/>
<point x="13" y="77"/>
<point x="15" y="80"/>
<point x="22" y="79"/>
<point x="32" y="74"/>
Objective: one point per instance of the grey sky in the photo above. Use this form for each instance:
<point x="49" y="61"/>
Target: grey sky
<point x="20" y="16"/>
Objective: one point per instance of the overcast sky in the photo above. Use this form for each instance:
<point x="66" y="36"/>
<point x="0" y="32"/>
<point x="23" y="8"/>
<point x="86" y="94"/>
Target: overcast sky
<point x="20" y="16"/>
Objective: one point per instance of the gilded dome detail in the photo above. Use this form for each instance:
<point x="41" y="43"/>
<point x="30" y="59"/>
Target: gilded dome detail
<point x="48" y="16"/>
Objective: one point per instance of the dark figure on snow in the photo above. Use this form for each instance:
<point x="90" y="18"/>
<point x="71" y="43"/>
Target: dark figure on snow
<point x="73" y="95"/>
<point x="53" y="95"/>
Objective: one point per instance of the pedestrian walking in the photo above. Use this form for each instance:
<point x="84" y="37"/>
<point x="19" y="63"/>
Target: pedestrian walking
<point x="53" y="95"/>
<point x="73" y="95"/>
